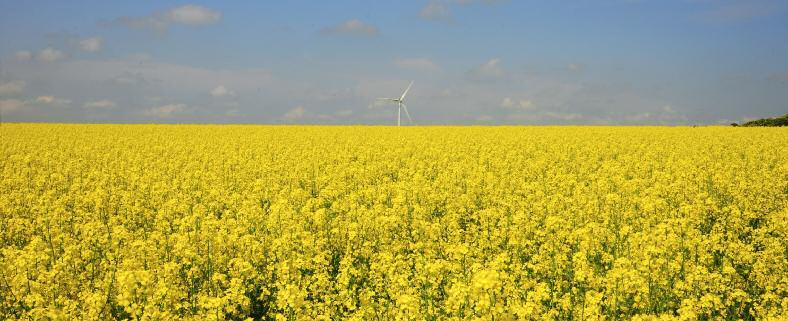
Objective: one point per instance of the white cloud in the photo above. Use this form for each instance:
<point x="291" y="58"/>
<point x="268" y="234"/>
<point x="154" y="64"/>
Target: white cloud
<point x="507" y="102"/>
<point x="11" y="105"/>
<point x="576" y="67"/>
<point x="221" y="91"/>
<point x="166" y="111"/>
<point x="299" y="114"/>
<point x="93" y="44"/>
<point x="420" y="64"/>
<point x="668" y="109"/>
<point x="545" y="116"/>
<point x="83" y="80"/>
<point x="15" y="105"/>
<point x="51" y="100"/>
<point x="12" y="88"/>
<point x="295" y="113"/>
<point x="100" y="104"/>
<point x="487" y="71"/>
<point x="194" y="15"/>
<point x="446" y="100"/>
<point x="435" y="11"/>
<point x="526" y="104"/>
<point x="352" y="28"/>
<point x="50" y="55"/>
<point x="165" y="76"/>
<point x="510" y="103"/>
<point x="23" y="55"/>
<point x="188" y="15"/>
<point x="562" y="115"/>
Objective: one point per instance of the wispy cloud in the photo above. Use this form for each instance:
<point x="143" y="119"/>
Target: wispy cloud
<point x="301" y="115"/>
<point x="23" y="55"/>
<point x="419" y="64"/>
<point x="576" y="67"/>
<point x="11" y="105"/>
<point x="193" y="15"/>
<point x="436" y="11"/>
<point x="353" y="27"/>
<point x="165" y="111"/>
<point x="50" y="54"/>
<point x="295" y="113"/>
<point x="440" y="10"/>
<point x="222" y="91"/>
<point x="22" y="105"/>
<point x="52" y="100"/>
<point x="100" y="104"/>
<point x="664" y="115"/>
<point x="545" y="116"/>
<point x="490" y="70"/>
<point x="12" y="88"/>
<point x="129" y="78"/>
<point x="187" y="15"/>
<point x="741" y="11"/>
<point x="523" y="104"/>
<point x="93" y="44"/>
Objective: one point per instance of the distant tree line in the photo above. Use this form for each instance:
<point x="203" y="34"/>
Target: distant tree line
<point x="770" y="122"/>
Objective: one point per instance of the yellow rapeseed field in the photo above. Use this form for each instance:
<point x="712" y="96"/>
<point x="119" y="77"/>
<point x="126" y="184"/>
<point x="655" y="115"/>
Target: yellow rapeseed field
<point x="213" y="222"/>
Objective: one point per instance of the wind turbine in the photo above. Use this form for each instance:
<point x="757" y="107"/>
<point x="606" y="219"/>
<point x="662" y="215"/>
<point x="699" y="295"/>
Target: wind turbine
<point x="400" y="104"/>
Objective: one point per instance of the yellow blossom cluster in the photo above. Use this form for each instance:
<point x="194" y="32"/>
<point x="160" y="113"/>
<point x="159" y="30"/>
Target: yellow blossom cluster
<point x="220" y="222"/>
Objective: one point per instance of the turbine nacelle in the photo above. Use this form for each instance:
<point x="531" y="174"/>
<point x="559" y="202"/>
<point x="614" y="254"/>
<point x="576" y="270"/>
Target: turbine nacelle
<point x="401" y="104"/>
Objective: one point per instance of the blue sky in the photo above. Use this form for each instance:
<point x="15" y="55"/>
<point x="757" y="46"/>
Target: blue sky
<point x="473" y="61"/>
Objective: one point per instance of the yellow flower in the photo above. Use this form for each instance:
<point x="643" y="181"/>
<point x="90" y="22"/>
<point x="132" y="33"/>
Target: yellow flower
<point x="201" y="222"/>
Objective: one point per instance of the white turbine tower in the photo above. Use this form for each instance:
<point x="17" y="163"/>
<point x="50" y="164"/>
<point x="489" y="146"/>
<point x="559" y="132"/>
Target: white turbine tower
<point x="401" y="104"/>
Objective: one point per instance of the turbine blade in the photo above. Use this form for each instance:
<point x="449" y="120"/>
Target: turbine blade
<point x="407" y="113"/>
<point x="406" y="91"/>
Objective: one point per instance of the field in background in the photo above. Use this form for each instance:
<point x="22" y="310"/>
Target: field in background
<point x="375" y="223"/>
